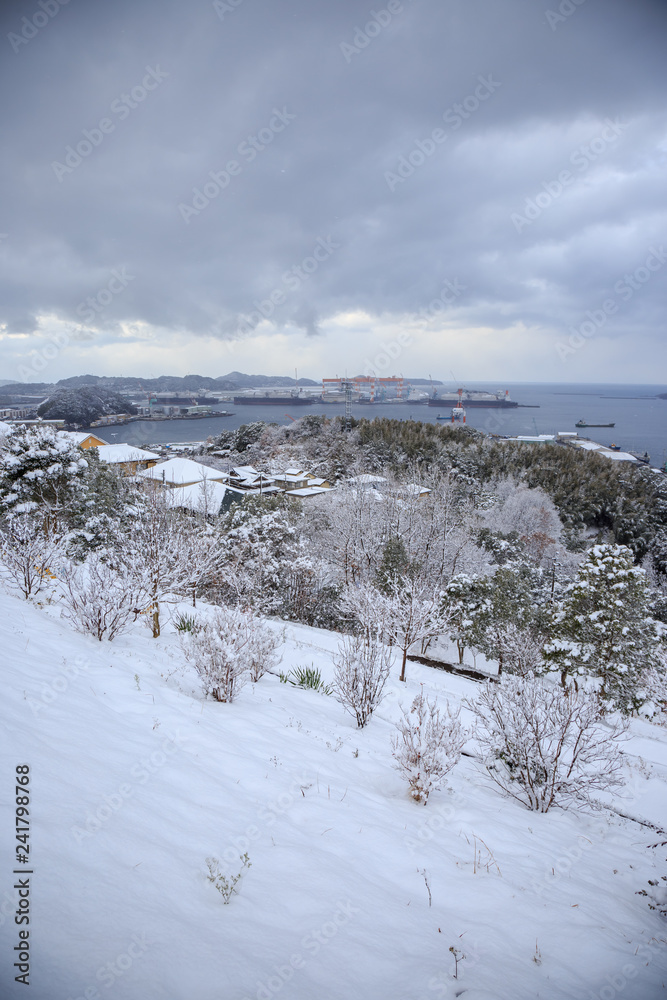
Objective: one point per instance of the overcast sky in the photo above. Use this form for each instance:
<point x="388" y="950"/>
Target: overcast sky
<point x="416" y="187"/>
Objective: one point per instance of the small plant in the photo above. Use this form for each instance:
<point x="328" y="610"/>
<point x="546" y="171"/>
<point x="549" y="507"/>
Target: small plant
<point x="424" y="874"/>
<point x="459" y="956"/>
<point x="537" y="957"/>
<point x="136" y="681"/>
<point x="306" y="677"/>
<point x="185" y="623"/>
<point x="226" y="886"/>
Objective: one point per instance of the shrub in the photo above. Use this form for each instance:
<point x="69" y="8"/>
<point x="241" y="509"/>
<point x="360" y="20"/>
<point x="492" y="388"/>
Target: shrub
<point x="361" y="670"/>
<point x="544" y="745"/>
<point x="218" y="650"/>
<point x="428" y="746"/>
<point x="226" y="886"/>
<point x="98" y="598"/>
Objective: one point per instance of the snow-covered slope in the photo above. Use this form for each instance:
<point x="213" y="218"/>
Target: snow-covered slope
<point x="136" y="781"/>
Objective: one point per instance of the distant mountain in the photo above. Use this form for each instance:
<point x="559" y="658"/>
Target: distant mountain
<point x="238" y="380"/>
<point x="82" y="405"/>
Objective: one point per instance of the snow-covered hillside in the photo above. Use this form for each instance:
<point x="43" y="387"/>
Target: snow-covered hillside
<point x="136" y="780"/>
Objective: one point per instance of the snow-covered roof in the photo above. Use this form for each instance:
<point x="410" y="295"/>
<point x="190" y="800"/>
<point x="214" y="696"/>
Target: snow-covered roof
<point x="415" y="490"/>
<point x="316" y="481"/>
<point x="178" y="471"/>
<point x="80" y="436"/>
<point x="205" y="497"/>
<point x="294" y="472"/>
<point x="366" y="477"/>
<point x="534" y="438"/>
<point x="616" y="456"/>
<point x="244" y="470"/>
<point x="124" y="453"/>
<point x="307" y="491"/>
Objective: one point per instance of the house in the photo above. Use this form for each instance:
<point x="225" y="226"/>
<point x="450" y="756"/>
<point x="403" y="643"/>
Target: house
<point x="415" y="490"/>
<point x="248" y="479"/>
<point x="126" y="458"/>
<point x="85" y="439"/>
<point x="181" y="472"/>
<point x="208" y="497"/>
<point x="318" y="481"/>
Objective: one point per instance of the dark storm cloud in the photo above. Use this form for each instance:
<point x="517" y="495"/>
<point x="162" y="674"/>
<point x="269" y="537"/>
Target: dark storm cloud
<point x="222" y="141"/>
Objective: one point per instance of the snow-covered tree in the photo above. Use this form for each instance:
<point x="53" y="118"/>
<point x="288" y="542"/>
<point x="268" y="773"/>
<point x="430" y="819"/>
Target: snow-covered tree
<point x="545" y="745"/>
<point x="30" y="549"/>
<point x="408" y="611"/>
<point x="603" y="627"/>
<point x="362" y="666"/>
<point x="466" y="599"/>
<point x="428" y="745"/>
<point x="41" y="467"/>
<point x="101" y="598"/>
<point x="219" y="649"/>
<point x="168" y="553"/>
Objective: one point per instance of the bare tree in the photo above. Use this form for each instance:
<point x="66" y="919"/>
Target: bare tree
<point x="405" y="612"/>
<point x="101" y="598"/>
<point x="362" y="667"/>
<point x="428" y="746"/>
<point x="544" y="745"/>
<point x="29" y="551"/>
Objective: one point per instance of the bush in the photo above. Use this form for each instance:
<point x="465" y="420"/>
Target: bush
<point x="218" y="649"/>
<point x="428" y="746"/>
<point x="29" y="549"/>
<point x="361" y="670"/>
<point x="99" y="598"/>
<point x="544" y="745"/>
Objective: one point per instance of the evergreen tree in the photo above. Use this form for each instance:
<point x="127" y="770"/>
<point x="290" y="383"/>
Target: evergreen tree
<point x="40" y="467"/>
<point x="603" y="627"/>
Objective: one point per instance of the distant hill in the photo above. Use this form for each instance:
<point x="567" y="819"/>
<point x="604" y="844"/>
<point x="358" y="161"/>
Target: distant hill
<point x="238" y="380"/>
<point x="84" y="404"/>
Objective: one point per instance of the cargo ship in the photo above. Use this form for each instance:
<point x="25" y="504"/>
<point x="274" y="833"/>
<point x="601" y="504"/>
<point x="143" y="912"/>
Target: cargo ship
<point x="582" y="423"/>
<point x="474" y="397"/>
<point x="265" y="400"/>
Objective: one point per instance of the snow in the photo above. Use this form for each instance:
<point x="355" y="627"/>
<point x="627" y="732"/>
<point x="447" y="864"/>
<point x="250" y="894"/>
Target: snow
<point x="334" y="905"/>
<point x="181" y="472"/>
<point x="615" y="456"/>
<point x="114" y="453"/>
<point x="308" y="491"/>
<point x="193" y="497"/>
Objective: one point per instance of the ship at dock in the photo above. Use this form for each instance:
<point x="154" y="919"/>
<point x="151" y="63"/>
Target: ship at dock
<point x="474" y="398"/>
<point x="265" y="399"/>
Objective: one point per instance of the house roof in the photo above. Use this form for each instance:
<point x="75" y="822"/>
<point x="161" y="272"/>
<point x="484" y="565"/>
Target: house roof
<point x="307" y="491"/>
<point x="365" y="478"/>
<point x="178" y="471"/>
<point x="80" y="436"/>
<point x="124" y="453"/>
<point x="206" y="496"/>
